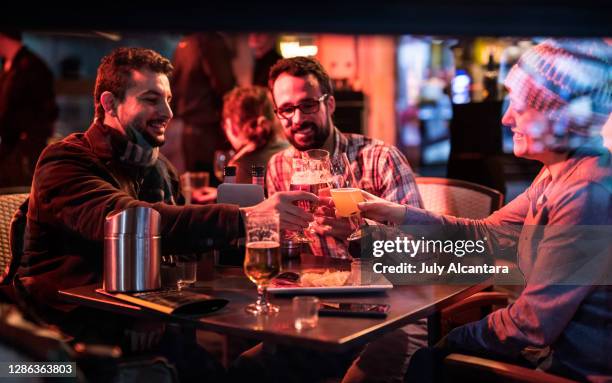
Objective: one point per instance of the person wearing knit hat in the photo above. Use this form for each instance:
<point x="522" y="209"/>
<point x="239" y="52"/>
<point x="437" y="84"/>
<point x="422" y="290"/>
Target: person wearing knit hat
<point x="568" y="83"/>
<point x="560" y="97"/>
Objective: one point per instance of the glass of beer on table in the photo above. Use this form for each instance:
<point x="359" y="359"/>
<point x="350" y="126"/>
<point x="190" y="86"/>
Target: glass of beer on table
<point x="262" y="261"/>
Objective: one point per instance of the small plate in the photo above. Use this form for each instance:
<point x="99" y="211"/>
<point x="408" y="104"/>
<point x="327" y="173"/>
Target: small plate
<point x="379" y="284"/>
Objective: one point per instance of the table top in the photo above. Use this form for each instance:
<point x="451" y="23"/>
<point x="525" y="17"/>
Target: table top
<point x="408" y="304"/>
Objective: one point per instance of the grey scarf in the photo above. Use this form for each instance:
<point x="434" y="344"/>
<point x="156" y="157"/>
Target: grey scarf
<point x="136" y="153"/>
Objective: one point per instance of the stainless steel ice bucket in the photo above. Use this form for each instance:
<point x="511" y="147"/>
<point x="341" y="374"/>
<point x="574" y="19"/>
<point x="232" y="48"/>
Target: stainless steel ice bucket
<point x="132" y="250"/>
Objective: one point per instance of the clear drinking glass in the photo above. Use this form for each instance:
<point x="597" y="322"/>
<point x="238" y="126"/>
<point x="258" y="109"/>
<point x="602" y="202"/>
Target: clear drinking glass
<point x="305" y="312"/>
<point x="317" y="155"/>
<point x="301" y="180"/>
<point x="262" y="261"/>
<point x="345" y="193"/>
<point x="320" y="170"/>
<point x="311" y="173"/>
<point x="186" y="269"/>
<point x="191" y="181"/>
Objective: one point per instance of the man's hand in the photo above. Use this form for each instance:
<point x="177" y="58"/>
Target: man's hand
<point x="381" y="210"/>
<point x="337" y="227"/>
<point x="204" y="195"/>
<point x="291" y="216"/>
<point x="328" y="223"/>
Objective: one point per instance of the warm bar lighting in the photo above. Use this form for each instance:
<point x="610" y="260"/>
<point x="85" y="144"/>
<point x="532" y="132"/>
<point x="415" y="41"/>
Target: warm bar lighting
<point x="293" y="49"/>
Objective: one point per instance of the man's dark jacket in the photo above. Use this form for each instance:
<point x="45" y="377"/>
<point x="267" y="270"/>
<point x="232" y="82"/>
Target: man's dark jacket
<point x="77" y="183"/>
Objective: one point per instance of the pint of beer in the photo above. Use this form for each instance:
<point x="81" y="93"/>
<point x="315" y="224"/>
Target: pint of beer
<point x="314" y="186"/>
<point x="262" y="261"/>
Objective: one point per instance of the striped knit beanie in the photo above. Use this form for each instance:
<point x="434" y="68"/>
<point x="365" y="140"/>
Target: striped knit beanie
<point x="569" y="79"/>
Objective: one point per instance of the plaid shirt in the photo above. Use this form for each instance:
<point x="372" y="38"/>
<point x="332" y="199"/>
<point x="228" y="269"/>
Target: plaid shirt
<point x="379" y="169"/>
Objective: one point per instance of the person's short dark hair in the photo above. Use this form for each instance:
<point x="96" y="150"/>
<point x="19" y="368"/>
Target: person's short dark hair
<point x="244" y="106"/>
<point x="115" y="71"/>
<point x="301" y="67"/>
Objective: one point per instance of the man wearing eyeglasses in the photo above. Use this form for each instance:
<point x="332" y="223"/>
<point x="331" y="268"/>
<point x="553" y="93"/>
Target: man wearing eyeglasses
<point x="304" y="101"/>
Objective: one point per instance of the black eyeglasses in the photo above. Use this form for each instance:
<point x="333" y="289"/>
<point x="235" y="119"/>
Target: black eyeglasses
<point x="306" y="106"/>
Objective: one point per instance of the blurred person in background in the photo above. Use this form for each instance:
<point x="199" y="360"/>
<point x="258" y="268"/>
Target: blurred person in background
<point x="252" y="129"/>
<point x="27" y="109"/>
<point x="263" y="46"/>
<point x="560" y="98"/>
<point x="202" y="75"/>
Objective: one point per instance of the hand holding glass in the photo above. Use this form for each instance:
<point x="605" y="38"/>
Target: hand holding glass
<point x="301" y="180"/>
<point x="311" y="173"/>
<point x="345" y="193"/>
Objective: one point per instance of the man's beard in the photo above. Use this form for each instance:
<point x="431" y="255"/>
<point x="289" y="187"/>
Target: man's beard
<point x="141" y="127"/>
<point x="153" y="141"/>
<point x="318" y="140"/>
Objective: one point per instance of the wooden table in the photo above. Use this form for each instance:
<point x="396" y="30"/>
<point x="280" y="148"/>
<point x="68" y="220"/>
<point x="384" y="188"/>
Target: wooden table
<point x="408" y="304"/>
